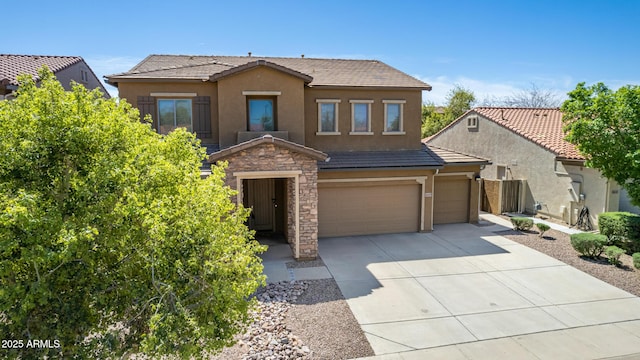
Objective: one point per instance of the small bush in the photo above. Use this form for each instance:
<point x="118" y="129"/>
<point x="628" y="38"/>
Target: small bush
<point x="636" y="260"/>
<point x="613" y="253"/>
<point x="522" y="223"/>
<point x="622" y="229"/>
<point x="588" y="244"/>
<point x="543" y="228"/>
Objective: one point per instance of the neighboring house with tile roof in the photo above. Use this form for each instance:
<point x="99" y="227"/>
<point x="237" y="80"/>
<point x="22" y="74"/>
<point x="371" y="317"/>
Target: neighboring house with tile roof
<point x="316" y="147"/>
<point x="528" y="144"/>
<point x="65" y="68"/>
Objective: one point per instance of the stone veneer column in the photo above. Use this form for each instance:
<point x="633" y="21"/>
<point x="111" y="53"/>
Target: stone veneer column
<point x="271" y="158"/>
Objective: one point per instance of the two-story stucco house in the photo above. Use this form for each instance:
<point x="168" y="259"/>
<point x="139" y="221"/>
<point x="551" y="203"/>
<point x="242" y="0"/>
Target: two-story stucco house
<point x="316" y="147"/>
<point x="528" y="144"/>
<point x="65" y="68"/>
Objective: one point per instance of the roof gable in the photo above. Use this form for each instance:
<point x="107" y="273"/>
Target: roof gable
<point x="258" y="63"/>
<point x="542" y="126"/>
<point x="13" y="65"/>
<point x="267" y="139"/>
<point x="323" y="72"/>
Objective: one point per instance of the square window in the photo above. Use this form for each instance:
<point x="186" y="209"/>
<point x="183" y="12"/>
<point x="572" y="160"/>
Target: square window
<point x="261" y="114"/>
<point x="174" y="113"/>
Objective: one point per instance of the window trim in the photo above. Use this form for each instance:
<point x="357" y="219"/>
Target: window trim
<point x="472" y="122"/>
<point x="401" y="105"/>
<point x="336" y="102"/>
<point x="158" y="100"/>
<point x="274" y="106"/>
<point x="368" y="103"/>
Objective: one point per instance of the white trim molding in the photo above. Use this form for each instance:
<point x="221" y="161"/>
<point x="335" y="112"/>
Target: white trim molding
<point x="261" y="93"/>
<point x="353" y="118"/>
<point x="336" y="112"/>
<point x="173" y="94"/>
<point x="400" y="104"/>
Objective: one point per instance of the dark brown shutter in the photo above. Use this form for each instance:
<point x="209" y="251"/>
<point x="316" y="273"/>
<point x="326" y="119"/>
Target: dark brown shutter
<point x="202" y="116"/>
<point x="147" y="105"/>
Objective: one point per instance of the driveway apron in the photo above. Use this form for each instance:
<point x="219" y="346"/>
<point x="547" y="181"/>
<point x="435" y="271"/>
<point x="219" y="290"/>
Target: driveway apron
<point x="463" y="292"/>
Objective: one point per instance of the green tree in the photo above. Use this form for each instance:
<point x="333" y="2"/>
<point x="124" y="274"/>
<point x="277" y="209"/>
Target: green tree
<point x="110" y="241"/>
<point x="605" y="126"/>
<point x="434" y="119"/>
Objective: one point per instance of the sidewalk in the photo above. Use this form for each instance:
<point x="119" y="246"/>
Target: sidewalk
<point x="499" y="221"/>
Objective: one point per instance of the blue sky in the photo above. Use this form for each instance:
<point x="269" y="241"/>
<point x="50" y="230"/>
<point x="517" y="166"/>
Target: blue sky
<point x="494" y="48"/>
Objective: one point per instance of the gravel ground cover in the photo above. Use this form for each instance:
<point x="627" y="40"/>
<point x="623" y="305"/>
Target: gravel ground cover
<point x="558" y="245"/>
<point x="301" y="320"/>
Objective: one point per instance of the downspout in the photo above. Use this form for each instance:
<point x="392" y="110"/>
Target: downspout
<point x="433" y="186"/>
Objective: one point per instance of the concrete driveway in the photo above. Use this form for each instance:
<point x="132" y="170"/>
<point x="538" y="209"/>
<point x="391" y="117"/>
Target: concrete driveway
<point x="462" y="292"/>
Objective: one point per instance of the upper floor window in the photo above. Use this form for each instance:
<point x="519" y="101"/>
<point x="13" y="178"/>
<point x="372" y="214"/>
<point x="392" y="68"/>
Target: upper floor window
<point x="393" y="117"/>
<point x="328" y="116"/>
<point x="261" y="113"/>
<point x="174" y="113"/>
<point x="361" y="117"/>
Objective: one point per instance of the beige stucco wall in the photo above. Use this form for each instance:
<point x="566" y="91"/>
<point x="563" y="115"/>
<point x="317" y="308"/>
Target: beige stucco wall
<point x="547" y="183"/>
<point x="412" y="112"/>
<point x="232" y="110"/>
<point x="130" y="91"/>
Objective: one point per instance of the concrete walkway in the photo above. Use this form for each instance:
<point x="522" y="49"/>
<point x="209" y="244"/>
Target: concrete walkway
<point x="463" y="292"/>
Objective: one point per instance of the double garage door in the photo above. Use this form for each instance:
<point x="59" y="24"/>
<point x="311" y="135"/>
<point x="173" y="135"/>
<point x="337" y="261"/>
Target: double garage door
<point x="364" y="208"/>
<point x="346" y="209"/>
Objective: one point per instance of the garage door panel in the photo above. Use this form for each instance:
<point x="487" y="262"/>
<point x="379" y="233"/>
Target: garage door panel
<point x="450" y="200"/>
<point x="360" y="210"/>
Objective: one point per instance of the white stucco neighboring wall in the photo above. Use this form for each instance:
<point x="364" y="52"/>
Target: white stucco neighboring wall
<point x="550" y="183"/>
<point x="625" y="203"/>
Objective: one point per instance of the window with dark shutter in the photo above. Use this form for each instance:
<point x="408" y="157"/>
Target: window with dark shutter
<point x="202" y="116"/>
<point x="147" y="105"/>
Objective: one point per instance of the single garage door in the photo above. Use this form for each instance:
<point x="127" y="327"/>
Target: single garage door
<point x="357" y="209"/>
<point x="450" y="200"/>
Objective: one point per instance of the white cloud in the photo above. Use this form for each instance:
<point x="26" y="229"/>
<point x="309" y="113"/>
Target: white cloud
<point x="483" y="89"/>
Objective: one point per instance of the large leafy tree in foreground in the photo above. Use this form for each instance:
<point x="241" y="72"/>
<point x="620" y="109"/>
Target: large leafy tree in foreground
<point x="110" y="242"/>
<point x="605" y="126"/>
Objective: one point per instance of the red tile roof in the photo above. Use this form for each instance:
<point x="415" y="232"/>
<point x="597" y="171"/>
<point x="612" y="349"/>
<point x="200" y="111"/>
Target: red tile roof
<point x="542" y="126"/>
<point x="323" y="72"/>
<point x="13" y="65"/>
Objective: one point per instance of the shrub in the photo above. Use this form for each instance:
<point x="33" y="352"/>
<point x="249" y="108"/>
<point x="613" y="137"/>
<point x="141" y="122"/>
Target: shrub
<point x="636" y="260"/>
<point x="522" y="223"/>
<point x="613" y="253"/>
<point x="622" y="229"/>
<point x="588" y="244"/>
<point x="543" y="228"/>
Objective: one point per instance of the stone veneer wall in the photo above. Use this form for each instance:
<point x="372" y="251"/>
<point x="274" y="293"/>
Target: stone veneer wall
<point x="269" y="157"/>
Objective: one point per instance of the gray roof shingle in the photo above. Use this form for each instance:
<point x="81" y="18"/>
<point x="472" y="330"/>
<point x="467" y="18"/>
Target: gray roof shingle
<point x="324" y="72"/>
<point x="427" y="157"/>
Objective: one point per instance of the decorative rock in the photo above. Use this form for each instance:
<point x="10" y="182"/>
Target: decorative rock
<point x="267" y="337"/>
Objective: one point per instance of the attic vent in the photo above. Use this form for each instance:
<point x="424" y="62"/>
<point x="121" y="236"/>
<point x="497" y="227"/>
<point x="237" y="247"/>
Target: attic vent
<point x="472" y="122"/>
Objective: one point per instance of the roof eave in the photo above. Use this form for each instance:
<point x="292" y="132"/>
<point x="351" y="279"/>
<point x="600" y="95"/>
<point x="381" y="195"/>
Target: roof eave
<point x="387" y="168"/>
